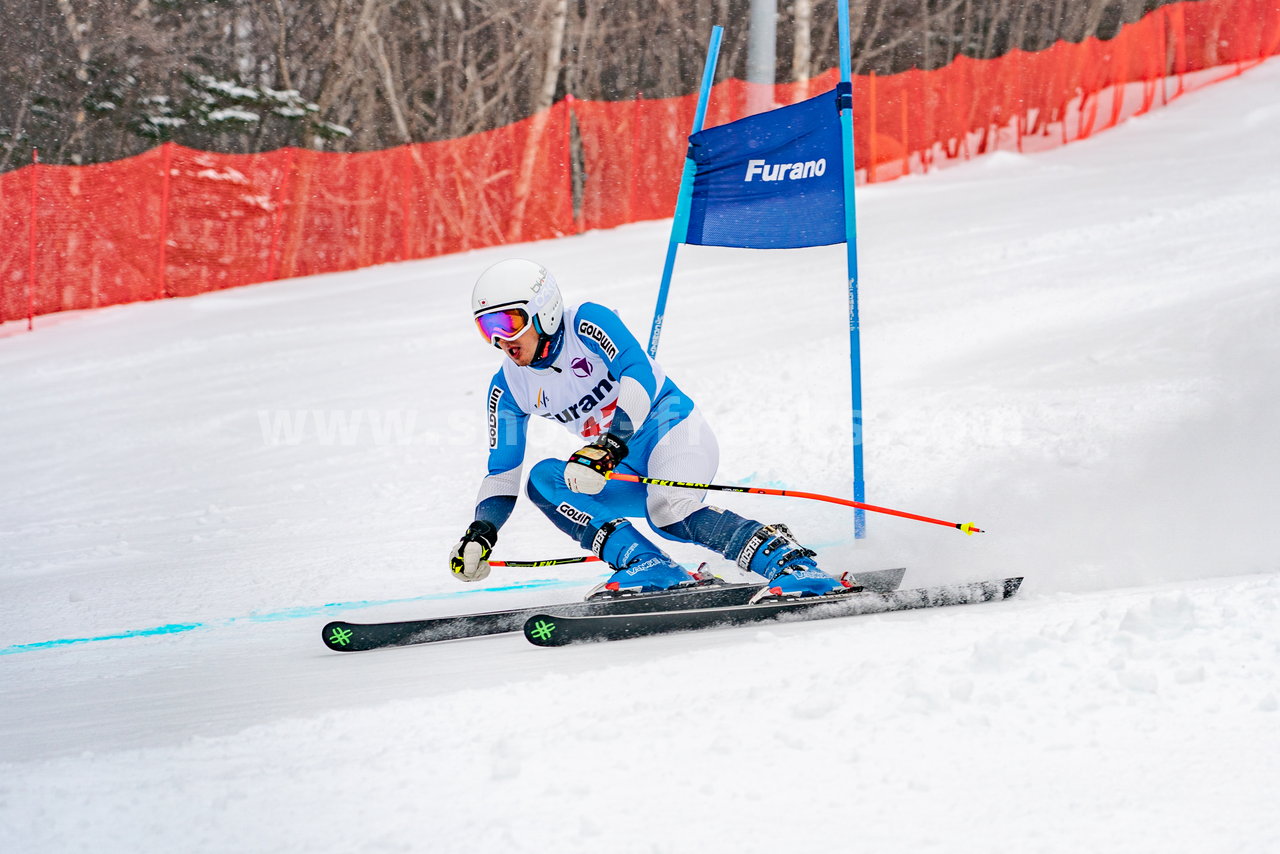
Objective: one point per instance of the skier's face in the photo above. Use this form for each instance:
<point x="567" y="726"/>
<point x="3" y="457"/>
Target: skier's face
<point x="523" y="348"/>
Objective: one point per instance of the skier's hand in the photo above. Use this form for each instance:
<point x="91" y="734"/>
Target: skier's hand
<point x="588" y="469"/>
<point x="469" y="559"/>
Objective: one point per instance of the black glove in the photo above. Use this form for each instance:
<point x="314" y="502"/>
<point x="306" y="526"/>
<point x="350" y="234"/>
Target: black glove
<point x="469" y="559"/>
<point x="588" y="469"/>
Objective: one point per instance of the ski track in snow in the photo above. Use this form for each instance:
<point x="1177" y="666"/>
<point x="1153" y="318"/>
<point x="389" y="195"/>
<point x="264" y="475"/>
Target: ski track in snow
<point x="1075" y="349"/>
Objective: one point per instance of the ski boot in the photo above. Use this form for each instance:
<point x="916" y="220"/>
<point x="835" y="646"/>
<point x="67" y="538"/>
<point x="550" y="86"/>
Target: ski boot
<point x="639" y="566"/>
<point x="789" y="567"/>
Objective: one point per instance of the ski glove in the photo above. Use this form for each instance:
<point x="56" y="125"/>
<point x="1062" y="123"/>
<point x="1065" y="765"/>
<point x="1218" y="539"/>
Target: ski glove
<point x="469" y="559"/>
<point x="587" y="470"/>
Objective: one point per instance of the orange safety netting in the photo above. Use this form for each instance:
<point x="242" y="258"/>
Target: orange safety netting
<point x="176" y="222"/>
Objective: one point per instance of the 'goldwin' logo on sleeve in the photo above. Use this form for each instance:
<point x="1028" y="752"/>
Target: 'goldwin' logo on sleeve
<point x="596" y="334"/>
<point x="495" y="397"/>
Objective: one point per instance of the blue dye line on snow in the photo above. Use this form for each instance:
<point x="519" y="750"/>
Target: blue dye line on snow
<point x="171" y="629"/>
<point x="299" y="612"/>
<point x="287" y="614"/>
<point x="322" y="610"/>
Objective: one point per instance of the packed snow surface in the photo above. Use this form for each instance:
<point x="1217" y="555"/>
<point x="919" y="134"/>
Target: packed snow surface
<point x="1077" y="350"/>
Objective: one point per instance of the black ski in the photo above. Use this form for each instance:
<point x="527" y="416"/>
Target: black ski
<point x="549" y="629"/>
<point x="342" y="636"/>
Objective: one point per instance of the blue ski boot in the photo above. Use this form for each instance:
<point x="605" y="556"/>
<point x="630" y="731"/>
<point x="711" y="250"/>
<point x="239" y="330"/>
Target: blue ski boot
<point x="639" y="566"/>
<point x="789" y="567"/>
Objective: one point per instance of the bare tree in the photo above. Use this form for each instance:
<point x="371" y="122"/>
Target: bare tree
<point x="90" y="80"/>
<point x="802" y="48"/>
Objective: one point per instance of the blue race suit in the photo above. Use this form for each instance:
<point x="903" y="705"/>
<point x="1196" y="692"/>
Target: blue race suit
<point x="598" y="378"/>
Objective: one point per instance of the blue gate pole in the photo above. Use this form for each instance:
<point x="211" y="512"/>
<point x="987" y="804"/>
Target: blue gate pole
<point x="680" y="224"/>
<point x="851" y="262"/>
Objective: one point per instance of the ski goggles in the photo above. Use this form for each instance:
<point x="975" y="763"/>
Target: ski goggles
<point x="507" y="324"/>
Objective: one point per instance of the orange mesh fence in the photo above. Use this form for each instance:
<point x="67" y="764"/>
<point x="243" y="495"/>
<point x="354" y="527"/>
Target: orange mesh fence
<point x="910" y="122"/>
<point x="907" y="122"/>
<point x="176" y="222"/>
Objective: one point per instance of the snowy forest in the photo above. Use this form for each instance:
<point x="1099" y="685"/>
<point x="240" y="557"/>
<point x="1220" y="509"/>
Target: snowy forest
<point x="87" y="81"/>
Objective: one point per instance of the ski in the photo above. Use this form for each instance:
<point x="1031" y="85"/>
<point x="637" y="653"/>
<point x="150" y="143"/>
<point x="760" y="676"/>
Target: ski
<point x="550" y="629"/>
<point x="342" y="636"/>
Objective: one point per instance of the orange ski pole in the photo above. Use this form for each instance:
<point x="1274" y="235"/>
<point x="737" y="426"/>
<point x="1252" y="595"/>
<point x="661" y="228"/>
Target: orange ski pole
<point x="967" y="527"/>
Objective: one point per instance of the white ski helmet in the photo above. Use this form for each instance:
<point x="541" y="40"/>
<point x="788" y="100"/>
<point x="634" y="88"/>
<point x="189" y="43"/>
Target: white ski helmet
<point x="519" y="284"/>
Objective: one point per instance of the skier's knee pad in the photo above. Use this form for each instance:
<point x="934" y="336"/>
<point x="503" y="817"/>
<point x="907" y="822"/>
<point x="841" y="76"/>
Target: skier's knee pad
<point x="667" y="512"/>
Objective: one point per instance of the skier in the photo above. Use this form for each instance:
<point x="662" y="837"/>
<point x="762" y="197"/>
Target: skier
<point x="583" y="368"/>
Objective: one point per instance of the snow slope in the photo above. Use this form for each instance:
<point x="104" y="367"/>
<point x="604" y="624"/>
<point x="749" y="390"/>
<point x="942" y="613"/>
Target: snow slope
<point x="1076" y="350"/>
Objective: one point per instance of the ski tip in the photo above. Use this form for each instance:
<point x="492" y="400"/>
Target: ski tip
<point x="543" y="630"/>
<point x="337" y="636"/>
